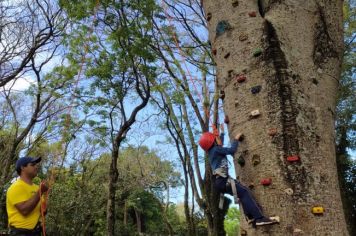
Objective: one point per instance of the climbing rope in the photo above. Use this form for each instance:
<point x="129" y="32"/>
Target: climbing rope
<point x="44" y="196"/>
<point x="182" y="55"/>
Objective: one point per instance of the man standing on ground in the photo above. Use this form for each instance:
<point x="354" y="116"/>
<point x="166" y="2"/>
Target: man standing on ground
<point x="23" y="199"/>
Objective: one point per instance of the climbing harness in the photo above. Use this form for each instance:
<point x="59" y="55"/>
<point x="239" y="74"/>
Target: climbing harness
<point x="222" y="172"/>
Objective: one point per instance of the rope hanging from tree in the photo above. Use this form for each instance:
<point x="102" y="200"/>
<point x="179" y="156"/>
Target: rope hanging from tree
<point x="44" y="196"/>
<point x="182" y="54"/>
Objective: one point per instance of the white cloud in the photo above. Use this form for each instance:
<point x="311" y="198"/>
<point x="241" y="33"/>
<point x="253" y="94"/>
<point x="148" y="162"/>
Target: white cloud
<point x="20" y="84"/>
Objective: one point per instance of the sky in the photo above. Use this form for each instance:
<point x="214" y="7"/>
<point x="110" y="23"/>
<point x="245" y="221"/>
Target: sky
<point x="20" y="84"/>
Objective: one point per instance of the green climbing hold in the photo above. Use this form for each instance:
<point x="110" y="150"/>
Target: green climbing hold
<point x="241" y="161"/>
<point x="222" y="27"/>
<point x="257" y="52"/>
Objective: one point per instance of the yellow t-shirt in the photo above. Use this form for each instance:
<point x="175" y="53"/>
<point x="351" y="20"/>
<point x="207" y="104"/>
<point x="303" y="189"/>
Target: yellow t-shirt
<point x="21" y="191"/>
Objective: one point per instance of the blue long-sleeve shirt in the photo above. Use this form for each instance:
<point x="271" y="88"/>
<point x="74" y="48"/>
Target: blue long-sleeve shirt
<point x="218" y="154"/>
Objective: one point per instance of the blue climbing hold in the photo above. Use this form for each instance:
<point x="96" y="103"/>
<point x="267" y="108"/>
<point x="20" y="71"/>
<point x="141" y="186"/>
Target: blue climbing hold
<point x="256" y="89"/>
<point x="222" y="27"/>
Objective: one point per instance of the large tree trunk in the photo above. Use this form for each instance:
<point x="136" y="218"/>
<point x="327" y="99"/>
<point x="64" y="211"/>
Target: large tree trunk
<point x="298" y="69"/>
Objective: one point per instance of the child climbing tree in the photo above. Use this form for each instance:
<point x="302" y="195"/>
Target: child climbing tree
<point x="279" y="64"/>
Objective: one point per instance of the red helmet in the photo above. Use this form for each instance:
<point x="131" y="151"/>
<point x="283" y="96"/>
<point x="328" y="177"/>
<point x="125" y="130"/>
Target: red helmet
<point x="206" y="141"/>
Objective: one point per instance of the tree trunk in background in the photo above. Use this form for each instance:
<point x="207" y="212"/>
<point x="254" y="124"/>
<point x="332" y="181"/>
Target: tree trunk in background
<point x="111" y="201"/>
<point x="138" y="221"/>
<point x="298" y="68"/>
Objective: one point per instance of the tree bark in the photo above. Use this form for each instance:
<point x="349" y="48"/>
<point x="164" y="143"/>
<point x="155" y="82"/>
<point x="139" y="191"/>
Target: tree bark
<point x="113" y="176"/>
<point x="138" y="221"/>
<point x="293" y="50"/>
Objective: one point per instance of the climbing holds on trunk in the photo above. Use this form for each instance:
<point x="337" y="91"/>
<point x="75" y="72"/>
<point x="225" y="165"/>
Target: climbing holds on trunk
<point x="241" y="161"/>
<point x="243" y="37"/>
<point x="235" y="3"/>
<point x="289" y="191"/>
<point x="266" y="181"/>
<point x="240" y="78"/>
<point x="255" y="113"/>
<point x="318" y="210"/>
<point x="226" y="120"/>
<point x="227" y="55"/>
<point x="257" y="52"/>
<point x="275" y="218"/>
<point x="256" y="89"/>
<point x="221" y="27"/>
<point x="272" y="131"/>
<point x="209" y="16"/>
<point x="256" y="160"/>
<point x="230" y="73"/>
<point x="252" y="14"/>
<point x="214" y="51"/>
<point x="294" y="158"/>
<point x="222" y="94"/>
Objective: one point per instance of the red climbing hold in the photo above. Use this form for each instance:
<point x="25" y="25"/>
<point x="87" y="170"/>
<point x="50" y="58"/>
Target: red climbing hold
<point x="240" y="78"/>
<point x="266" y="182"/>
<point x="293" y="158"/>
<point x="252" y="14"/>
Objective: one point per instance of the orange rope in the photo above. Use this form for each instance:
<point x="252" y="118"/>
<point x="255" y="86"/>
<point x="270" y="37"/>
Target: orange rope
<point x="43" y="208"/>
<point x="52" y="176"/>
<point x="181" y="53"/>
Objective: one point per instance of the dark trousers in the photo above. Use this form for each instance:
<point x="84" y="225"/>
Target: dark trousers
<point x="37" y="231"/>
<point x="250" y="207"/>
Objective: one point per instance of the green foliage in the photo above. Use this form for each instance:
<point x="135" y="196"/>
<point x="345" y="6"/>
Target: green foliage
<point x="78" y="9"/>
<point x="116" y="62"/>
<point x="232" y="221"/>
<point x="77" y="201"/>
<point x="346" y="119"/>
<point x="150" y="208"/>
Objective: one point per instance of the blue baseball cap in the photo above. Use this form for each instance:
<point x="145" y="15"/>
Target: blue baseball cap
<point x="23" y="161"/>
